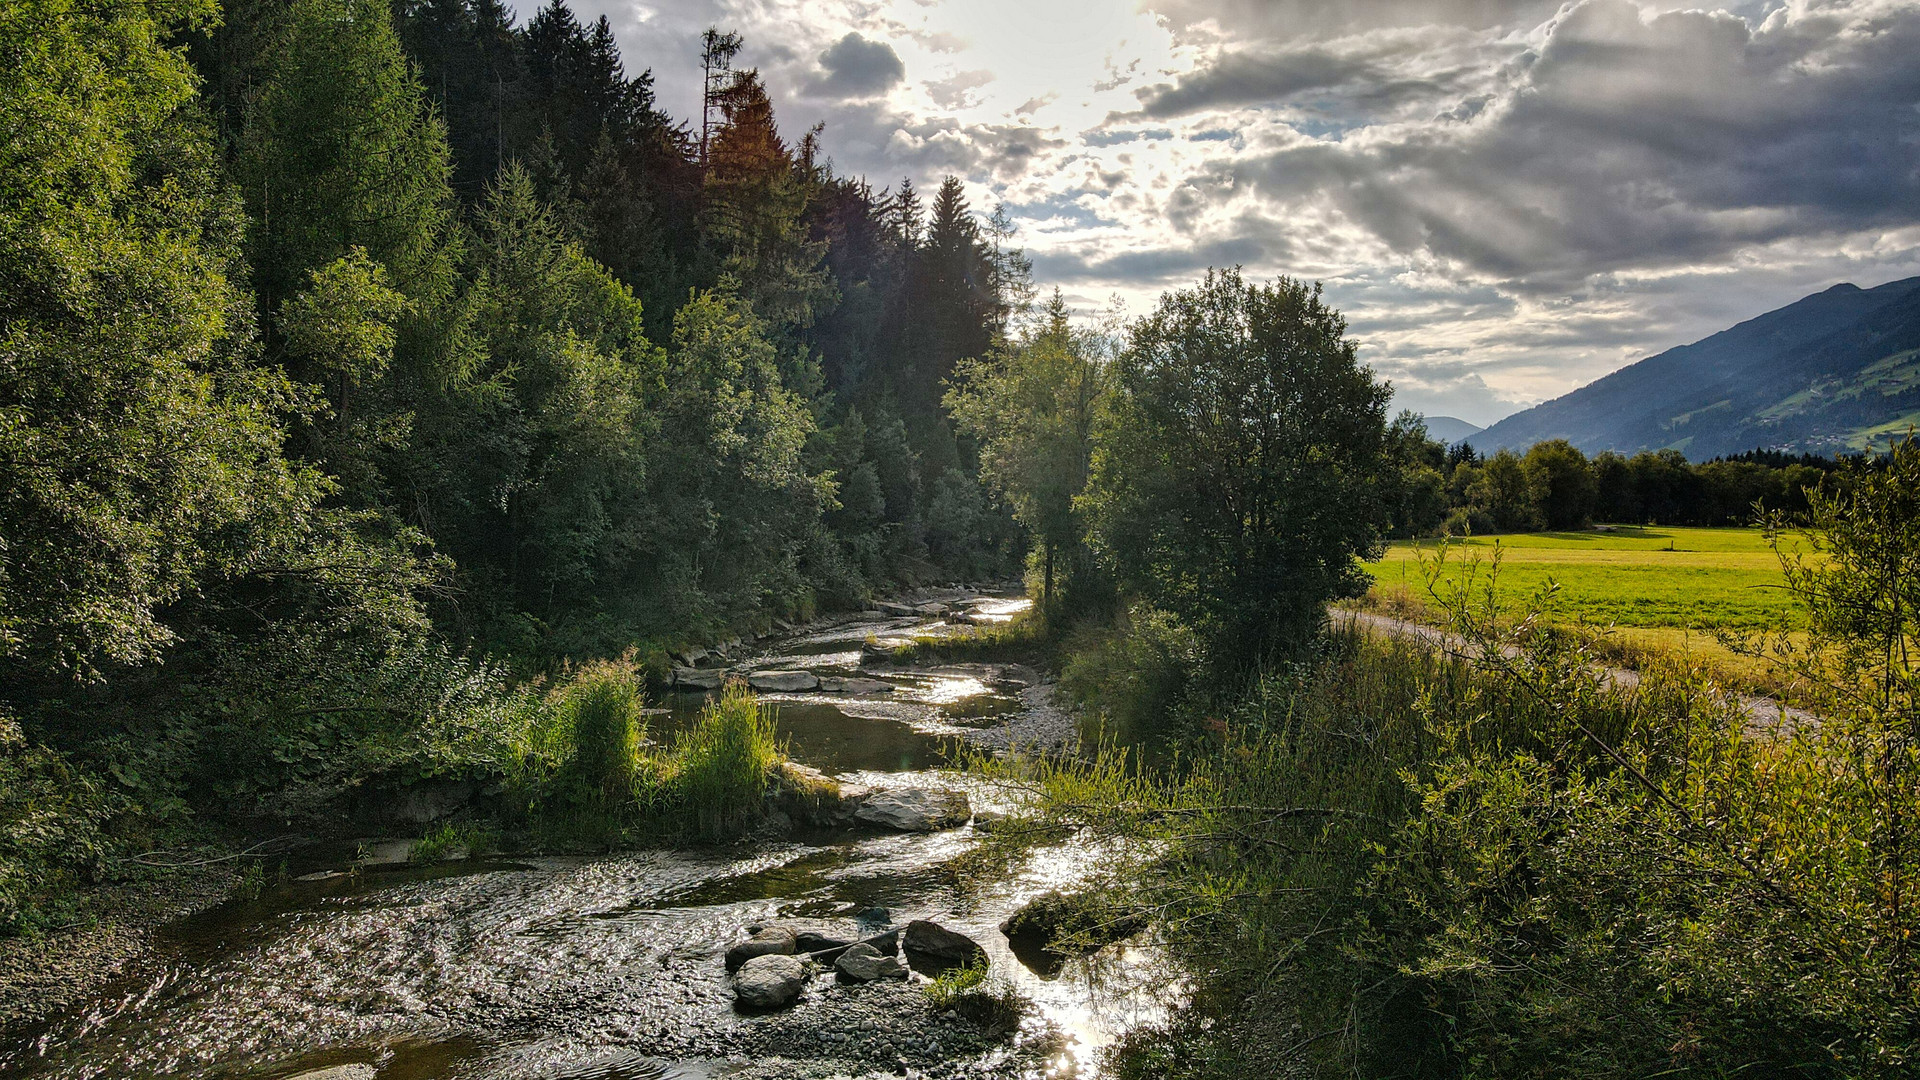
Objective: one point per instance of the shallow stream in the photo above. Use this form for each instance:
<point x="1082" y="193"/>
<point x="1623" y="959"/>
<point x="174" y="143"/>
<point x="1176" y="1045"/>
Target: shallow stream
<point x="610" y="967"/>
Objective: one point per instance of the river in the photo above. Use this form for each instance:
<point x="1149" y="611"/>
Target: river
<point x="610" y="967"/>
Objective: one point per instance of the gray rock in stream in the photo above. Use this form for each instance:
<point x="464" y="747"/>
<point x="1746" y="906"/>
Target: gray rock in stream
<point x="769" y="941"/>
<point x="915" y="809"/>
<point x="782" y="681"/>
<point x="768" y="982"/>
<point x="854" y="686"/>
<point x="863" y="963"/>
<point x="699" y="678"/>
<point x="929" y="941"/>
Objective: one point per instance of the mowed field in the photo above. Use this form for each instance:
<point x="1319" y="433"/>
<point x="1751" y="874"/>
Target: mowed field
<point x="1647" y="587"/>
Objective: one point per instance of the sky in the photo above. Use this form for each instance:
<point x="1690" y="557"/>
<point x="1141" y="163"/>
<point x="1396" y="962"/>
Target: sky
<point x="1506" y="198"/>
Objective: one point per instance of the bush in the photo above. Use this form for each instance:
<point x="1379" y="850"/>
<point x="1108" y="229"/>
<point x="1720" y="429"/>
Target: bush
<point x="974" y="993"/>
<point x="1131" y="677"/>
<point x="1394" y="862"/>
<point x="720" y="769"/>
<point x="53" y="830"/>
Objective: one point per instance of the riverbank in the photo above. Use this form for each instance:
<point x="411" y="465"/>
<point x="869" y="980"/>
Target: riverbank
<point x="528" y="965"/>
<point x="112" y="931"/>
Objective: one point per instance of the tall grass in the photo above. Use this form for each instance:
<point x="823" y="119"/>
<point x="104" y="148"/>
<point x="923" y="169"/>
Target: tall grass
<point x="1393" y="862"/>
<point x="717" y="775"/>
<point x="589" y="776"/>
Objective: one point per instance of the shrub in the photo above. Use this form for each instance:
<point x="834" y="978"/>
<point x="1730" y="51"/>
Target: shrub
<point x="53" y="830"/>
<point x="1397" y="862"/>
<point x="720" y="769"/>
<point x="1131" y="677"/>
<point x="975" y="993"/>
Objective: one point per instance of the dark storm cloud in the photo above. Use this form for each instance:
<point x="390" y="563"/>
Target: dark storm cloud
<point x="855" y="67"/>
<point x="1641" y="143"/>
<point x="1263" y="78"/>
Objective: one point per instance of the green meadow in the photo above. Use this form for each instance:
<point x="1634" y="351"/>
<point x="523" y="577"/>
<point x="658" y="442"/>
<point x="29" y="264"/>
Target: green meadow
<point x="1644" y="587"/>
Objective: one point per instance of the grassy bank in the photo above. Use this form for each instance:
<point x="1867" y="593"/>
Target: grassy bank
<point x="1387" y="862"/>
<point x="1639" y="592"/>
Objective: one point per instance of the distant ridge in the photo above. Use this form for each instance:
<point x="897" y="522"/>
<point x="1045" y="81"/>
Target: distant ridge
<point x="1828" y="373"/>
<point x="1449" y="429"/>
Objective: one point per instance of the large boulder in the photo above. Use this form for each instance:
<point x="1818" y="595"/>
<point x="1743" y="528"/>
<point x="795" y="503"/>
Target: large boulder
<point x="931" y="946"/>
<point x="768" y="941"/>
<point x="895" y="611"/>
<point x="863" y="963"/>
<point x="854" y="686"/>
<point x="782" y="681"/>
<point x="915" y="809"/>
<point x="688" y="678"/>
<point x="768" y="982"/>
<point x="1053" y="926"/>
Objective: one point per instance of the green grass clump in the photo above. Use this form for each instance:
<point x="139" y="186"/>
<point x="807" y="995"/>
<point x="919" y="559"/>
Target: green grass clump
<point x="975" y="993"/>
<point x="715" y="780"/>
<point x="591" y="777"/>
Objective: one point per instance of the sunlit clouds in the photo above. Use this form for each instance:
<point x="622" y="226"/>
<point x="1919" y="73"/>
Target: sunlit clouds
<point x="1508" y="199"/>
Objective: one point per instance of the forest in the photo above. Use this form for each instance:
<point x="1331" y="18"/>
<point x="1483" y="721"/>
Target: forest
<point x="388" y="391"/>
<point x="361" y="363"/>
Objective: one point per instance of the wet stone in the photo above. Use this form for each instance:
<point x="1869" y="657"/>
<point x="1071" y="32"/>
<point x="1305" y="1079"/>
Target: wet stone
<point x="782" y="681"/>
<point x="931" y="945"/>
<point x="767" y="941"/>
<point x="864" y="963"/>
<point x="698" y="678"/>
<point x="915" y="809"/>
<point x="770" y="981"/>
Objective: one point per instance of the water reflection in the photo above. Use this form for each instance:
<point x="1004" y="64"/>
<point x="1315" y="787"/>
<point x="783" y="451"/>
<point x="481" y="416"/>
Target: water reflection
<point x="591" y="968"/>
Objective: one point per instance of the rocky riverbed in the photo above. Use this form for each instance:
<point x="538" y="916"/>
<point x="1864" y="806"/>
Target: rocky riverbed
<point x="616" y="966"/>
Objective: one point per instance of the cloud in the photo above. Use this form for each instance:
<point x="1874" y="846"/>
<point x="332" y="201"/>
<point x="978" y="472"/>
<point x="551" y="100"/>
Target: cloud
<point x="1507" y="198"/>
<point x="1633" y="142"/>
<point x="855" y="67"/>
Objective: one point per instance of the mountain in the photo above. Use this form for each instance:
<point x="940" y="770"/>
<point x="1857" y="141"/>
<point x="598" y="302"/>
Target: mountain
<point x="1449" y="429"/>
<point x="1827" y="373"/>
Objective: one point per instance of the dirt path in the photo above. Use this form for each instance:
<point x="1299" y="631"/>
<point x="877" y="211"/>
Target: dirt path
<point x="1764" y="714"/>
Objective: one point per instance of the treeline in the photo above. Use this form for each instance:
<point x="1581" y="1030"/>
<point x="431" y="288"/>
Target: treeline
<point x="357" y="361"/>
<point x="1457" y="491"/>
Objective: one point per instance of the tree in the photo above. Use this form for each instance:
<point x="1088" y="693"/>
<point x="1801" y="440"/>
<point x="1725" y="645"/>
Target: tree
<point x="1238" y="478"/>
<point x="1420" y="490"/>
<point x="1560" y="484"/>
<point x="730" y="501"/>
<point x="1033" y="408"/>
<point x="342" y="151"/>
<point x="1500" y="491"/>
<point x="138" y="450"/>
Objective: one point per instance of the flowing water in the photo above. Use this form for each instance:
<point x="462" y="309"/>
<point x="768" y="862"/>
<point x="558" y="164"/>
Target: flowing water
<point x="610" y="967"/>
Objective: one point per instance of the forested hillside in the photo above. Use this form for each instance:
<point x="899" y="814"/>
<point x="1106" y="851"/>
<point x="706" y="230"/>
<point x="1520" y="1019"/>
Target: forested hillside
<point x="357" y="363"/>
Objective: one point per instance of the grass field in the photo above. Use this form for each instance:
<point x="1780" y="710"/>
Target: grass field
<point x="1666" y="589"/>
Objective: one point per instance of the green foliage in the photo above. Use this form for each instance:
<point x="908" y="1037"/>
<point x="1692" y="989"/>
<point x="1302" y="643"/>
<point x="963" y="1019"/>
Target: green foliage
<point x="342" y="151"/>
<point x="1241" y="469"/>
<point x="137" y="451"/>
<point x="590" y="776"/>
<point x="719" y="770"/>
<point x="1129" y="678"/>
<point x="55" y="822"/>
<point x="1560" y="484"/>
<point x="1394" y="861"/>
<point x="1033" y="409"/>
<point x="977" y="994"/>
<point x="449" y="840"/>
<point x="604" y="706"/>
